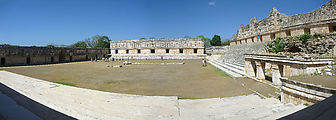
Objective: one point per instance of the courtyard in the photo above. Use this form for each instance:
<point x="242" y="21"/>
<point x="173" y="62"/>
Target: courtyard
<point x="188" y="80"/>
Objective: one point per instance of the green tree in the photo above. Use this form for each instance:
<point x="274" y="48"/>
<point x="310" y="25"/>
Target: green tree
<point x="103" y="42"/>
<point x="278" y="46"/>
<point x="50" y="46"/>
<point x="98" y="41"/>
<point x="226" y="42"/>
<point x="304" y="38"/>
<point x="80" y="44"/>
<point x="205" y="40"/>
<point x="216" y="41"/>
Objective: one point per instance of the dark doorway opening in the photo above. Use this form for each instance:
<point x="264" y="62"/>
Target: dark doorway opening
<point x="3" y="61"/>
<point x="51" y="59"/>
<point x="288" y="33"/>
<point x="307" y="30"/>
<point x="167" y="50"/>
<point x="86" y="57"/>
<point x="195" y="50"/>
<point x="116" y="51"/>
<point x="70" y="58"/>
<point x="139" y="51"/>
<point x="181" y="50"/>
<point x="28" y="60"/>
<point x="273" y="36"/>
<point x="127" y="51"/>
<point x="152" y="50"/>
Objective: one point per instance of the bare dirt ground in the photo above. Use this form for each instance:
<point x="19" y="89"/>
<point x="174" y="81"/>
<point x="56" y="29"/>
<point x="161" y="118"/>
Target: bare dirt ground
<point x="326" y="81"/>
<point x="189" y="80"/>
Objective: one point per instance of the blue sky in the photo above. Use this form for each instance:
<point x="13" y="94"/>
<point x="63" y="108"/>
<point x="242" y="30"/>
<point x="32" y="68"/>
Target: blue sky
<point x="42" y="22"/>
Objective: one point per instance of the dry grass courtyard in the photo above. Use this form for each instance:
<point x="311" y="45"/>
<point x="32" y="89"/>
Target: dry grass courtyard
<point x="189" y="80"/>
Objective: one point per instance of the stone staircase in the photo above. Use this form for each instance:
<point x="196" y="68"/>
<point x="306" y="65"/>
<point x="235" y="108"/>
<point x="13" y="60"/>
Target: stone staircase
<point x="234" y="70"/>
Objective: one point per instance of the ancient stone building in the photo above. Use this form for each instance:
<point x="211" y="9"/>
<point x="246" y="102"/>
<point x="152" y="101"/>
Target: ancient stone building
<point x="158" y="49"/>
<point x="322" y="20"/>
<point x="15" y="55"/>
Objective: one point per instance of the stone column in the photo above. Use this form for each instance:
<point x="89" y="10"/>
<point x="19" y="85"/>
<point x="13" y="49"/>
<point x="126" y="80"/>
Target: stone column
<point x="249" y="68"/>
<point x="260" y="70"/>
<point x="276" y="75"/>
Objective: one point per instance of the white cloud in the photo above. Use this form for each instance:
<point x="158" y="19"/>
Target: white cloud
<point x="212" y="3"/>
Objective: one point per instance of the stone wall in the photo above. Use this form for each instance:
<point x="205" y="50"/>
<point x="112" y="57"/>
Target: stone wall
<point x="158" y="49"/>
<point x="16" y="55"/>
<point x="303" y="93"/>
<point x="235" y="53"/>
<point x="276" y="24"/>
<point x="323" y="44"/>
<point x="216" y="50"/>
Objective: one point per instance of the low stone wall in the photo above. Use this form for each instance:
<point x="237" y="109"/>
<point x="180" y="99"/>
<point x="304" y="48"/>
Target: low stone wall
<point x="300" y="93"/>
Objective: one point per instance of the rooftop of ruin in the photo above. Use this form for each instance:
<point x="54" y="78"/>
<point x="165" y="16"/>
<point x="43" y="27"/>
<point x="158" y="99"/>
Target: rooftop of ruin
<point x="160" y="39"/>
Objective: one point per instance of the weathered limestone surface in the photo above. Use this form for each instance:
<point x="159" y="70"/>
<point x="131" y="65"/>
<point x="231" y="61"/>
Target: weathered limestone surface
<point x="16" y="55"/>
<point x="320" y="20"/>
<point x="298" y="92"/>
<point x="158" y="49"/>
<point x="91" y="104"/>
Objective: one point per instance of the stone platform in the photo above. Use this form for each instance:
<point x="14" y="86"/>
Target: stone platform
<point x="66" y="102"/>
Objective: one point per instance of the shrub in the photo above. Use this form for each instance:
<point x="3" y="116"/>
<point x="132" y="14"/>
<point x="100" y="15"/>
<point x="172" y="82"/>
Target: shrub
<point x="278" y="46"/>
<point x="304" y="38"/>
<point x="317" y="35"/>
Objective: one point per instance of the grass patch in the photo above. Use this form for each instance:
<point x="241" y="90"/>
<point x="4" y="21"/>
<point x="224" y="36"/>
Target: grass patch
<point x="224" y="74"/>
<point x="306" y="104"/>
<point x="64" y="83"/>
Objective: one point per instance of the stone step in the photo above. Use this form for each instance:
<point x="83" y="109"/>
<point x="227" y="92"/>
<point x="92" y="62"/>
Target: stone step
<point x="234" y="65"/>
<point x="234" y="69"/>
<point x="226" y="70"/>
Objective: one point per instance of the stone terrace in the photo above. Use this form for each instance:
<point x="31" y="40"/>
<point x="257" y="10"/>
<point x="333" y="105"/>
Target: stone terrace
<point x="91" y="104"/>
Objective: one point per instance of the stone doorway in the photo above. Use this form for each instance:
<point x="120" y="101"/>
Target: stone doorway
<point x="51" y="59"/>
<point x="70" y="58"/>
<point x="28" y="60"/>
<point x="3" y="61"/>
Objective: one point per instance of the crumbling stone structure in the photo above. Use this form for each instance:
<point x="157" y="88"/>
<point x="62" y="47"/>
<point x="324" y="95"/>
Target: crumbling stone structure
<point x="322" y="20"/>
<point x="185" y="48"/>
<point x="256" y="66"/>
<point x="303" y="93"/>
<point x="16" y="55"/>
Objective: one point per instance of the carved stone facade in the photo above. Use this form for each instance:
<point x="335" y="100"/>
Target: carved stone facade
<point x="322" y="20"/>
<point x="15" y="55"/>
<point x="256" y="66"/>
<point x="158" y="49"/>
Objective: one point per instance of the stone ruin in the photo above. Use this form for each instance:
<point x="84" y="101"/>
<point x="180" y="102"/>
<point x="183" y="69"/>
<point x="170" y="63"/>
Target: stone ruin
<point x="185" y="48"/>
<point x="17" y="55"/>
<point x="322" y="20"/>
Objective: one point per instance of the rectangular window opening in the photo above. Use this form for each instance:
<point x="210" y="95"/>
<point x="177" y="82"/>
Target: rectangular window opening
<point x="127" y="51"/>
<point x="167" y="50"/>
<point x="152" y="50"/>
<point x="139" y="51"/>
<point x="195" y="50"/>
